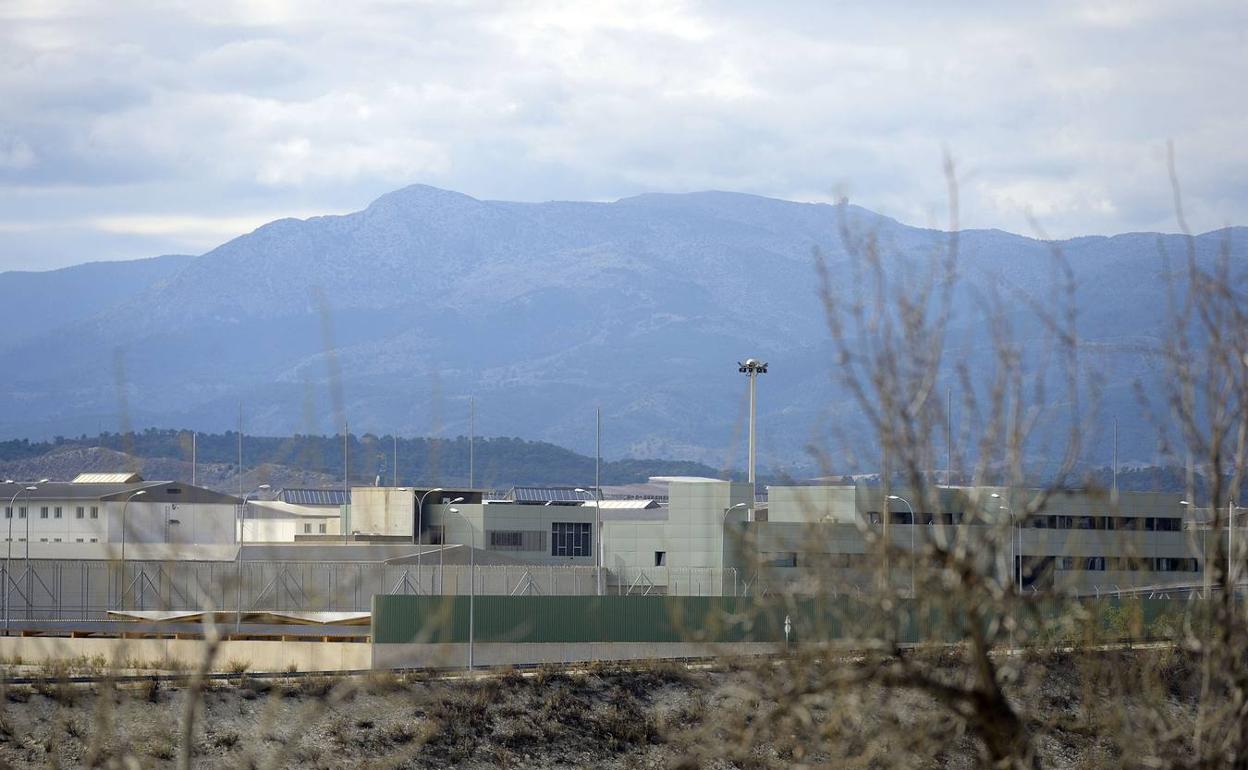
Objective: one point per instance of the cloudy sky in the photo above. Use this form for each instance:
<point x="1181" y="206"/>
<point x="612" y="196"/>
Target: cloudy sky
<point x="135" y="129"/>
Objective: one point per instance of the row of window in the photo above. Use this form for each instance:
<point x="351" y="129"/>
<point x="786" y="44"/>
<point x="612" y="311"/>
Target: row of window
<point x="1121" y="563"/>
<point x="516" y="540"/>
<point x="1029" y="563"/>
<point x="1124" y="523"/>
<point x="307" y="528"/>
<point x="44" y="540"/>
<point x="57" y="511"/>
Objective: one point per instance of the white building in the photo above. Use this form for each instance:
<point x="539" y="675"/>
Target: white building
<point x="111" y="508"/>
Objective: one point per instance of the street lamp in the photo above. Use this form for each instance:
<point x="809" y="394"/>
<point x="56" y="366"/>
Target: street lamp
<point x="472" y="581"/>
<point x="910" y="508"/>
<point x="121" y="597"/>
<point x="1230" y="540"/>
<point x="723" y="523"/>
<point x="441" y="547"/>
<point x="420" y="518"/>
<point x="9" y="555"/>
<point x="242" y="537"/>
<point x="1016" y="571"/>
<point x="598" y="527"/>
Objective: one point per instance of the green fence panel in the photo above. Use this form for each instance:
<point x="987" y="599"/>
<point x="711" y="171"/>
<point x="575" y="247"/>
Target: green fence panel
<point x="656" y="619"/>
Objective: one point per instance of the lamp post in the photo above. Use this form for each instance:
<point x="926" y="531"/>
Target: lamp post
<point x="121" y="596"/>
<point x="598" y="527"/>
<point x="442" y="548"/>
<point x="242" y="537"/>
<point x="9" y="555"/>
<point x="1230" y="541"/>
<point x="472" y="581"/>
<point x="910" y="508"/>
<point x="1016" y="571"/>
<point x="420" y="521"/>
<point x="723" y="524"/>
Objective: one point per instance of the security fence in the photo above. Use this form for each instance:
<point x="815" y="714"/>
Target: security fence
<point x="70" y="589"/>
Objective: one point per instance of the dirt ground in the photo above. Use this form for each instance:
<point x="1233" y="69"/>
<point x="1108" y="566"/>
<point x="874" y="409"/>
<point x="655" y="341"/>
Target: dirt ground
<point x="656" y="716"/>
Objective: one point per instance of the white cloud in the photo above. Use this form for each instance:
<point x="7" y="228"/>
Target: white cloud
<point x="216" y="112"/>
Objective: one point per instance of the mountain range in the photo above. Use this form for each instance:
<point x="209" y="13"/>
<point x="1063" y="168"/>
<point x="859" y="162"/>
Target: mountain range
<point x="392" y="318"/>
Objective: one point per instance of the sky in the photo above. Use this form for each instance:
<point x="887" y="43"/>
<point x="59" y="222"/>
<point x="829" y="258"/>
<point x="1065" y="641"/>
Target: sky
<point x="131" y="129"/>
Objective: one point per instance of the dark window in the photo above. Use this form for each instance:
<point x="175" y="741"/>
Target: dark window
<point x="57" y="512"/>
<point x="788" y="559"/>
<point x="8" y="511"/>
<point x="1094" y="563"/>
<point x="516" y="540"/>
<point x="80" y="512"/>
<point x="95" y="513"/>
<point x="322" y="528"/>
<point x="570" y="539"/>
<point x="307" y="529"/>
<point x="43" y="512"/>
<point x="506" y="540"/>
<point x="21" y="512"/>
<point x="660" y="558"/>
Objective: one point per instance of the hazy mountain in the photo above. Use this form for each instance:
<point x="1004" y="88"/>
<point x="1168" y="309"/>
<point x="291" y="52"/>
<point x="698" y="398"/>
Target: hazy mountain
<point x="394" y="315"/>
<point x="39" y="303"/>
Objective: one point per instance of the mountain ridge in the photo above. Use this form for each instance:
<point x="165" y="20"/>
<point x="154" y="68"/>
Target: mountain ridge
<point x="392" y="316"/>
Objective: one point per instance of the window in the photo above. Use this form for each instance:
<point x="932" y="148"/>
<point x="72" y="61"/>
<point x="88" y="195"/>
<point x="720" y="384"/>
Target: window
<point x="95" y="540"/>
<point x="95" y="513"/>
<point x="307" y="529"/>
<point x="21" y="512"/>
<point x="570" y="539"/>
<point x="57" y="513"/>
<point x="1094" y="563"/>
<point x="515" y="540"/>
<point x="788" y="559"/>
<point x="79" y="514"/>
<point x="8" y="511"/>
<point x="660" y="558"/>
<point x="506" y="540"/>
<point x="79" y="540"/>
<point x="43" y="540"/>
<point x="873" y="517"/>
<point x="321" y="528"/>
<point x="43" y="512"/>
<point x="56" y="540"/>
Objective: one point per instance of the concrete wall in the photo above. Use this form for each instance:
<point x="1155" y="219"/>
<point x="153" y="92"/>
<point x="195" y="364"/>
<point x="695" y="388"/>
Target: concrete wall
<point x="383" y="511"/>
<point x="496" y="654"/>
<point x="189" y="653"/>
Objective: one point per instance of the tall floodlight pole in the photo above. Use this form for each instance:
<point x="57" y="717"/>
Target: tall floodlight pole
<point x="472" y="440"/>
<point x="752" y="368"/>
<point x="9" y="555"/>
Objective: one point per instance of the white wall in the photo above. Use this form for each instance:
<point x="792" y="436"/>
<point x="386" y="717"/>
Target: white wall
<point x="145" y="522"/>
<point x="383" y="511"/>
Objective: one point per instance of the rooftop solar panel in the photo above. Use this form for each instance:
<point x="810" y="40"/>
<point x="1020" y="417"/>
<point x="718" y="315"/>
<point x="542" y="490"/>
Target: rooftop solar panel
<point x="547" y="494"/>
<point x="314" y="496"/>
